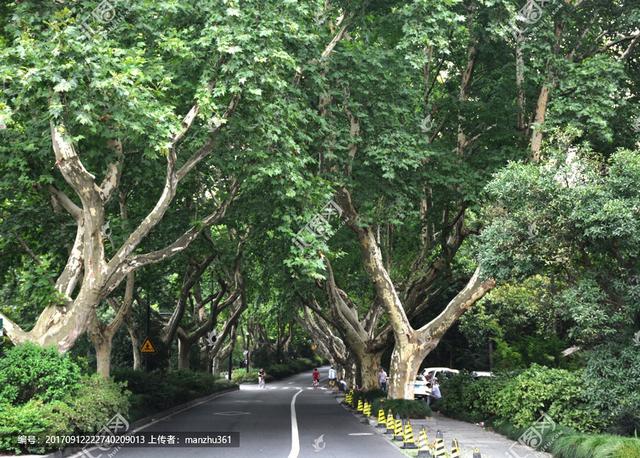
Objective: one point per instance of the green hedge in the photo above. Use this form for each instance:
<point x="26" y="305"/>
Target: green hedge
<point x="403" y="407"/>
<point x="512" y="403"/>
<point x="157" y="391"/>
<point x="29" y="372"/>
<point x="84" y="410"/>
<point x="275" y="371"/>
<point x="521" y="398"/>
<point x="406" y="408"/>
<point x="42" y="393"/>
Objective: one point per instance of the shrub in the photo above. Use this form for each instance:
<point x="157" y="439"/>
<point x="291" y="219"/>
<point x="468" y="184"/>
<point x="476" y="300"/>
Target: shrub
<point x="282" y="370"/>
<point x="469" y="399"/>
<point x="29" y="371"/>
<point x="406" y="408"/>
<point x="32" y="419"/>
<point x="156" y="391"/>
<point x="241" y="376"/>
<point x="613" y="373"/>
<point x="96" y="402"/>
<point x="557" y="392"/>
<point x="369" y="395"/>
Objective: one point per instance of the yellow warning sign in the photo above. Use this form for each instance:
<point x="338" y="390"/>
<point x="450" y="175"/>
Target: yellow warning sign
<point x="147" y="346"/>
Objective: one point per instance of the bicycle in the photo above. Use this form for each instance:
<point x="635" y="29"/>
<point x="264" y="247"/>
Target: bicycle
<point x="316" y="383"/>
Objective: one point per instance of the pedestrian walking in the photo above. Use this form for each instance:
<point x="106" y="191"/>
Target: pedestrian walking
<point x="332" y="377"/>
<point x="382" y="379"/>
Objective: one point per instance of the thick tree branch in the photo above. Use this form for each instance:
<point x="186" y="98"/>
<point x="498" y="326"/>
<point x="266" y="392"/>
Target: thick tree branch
<point x="114" y="172"/>
<point x="475" y="289"/>
<point x="207" y="148"/>
<point x="63" y="200"/>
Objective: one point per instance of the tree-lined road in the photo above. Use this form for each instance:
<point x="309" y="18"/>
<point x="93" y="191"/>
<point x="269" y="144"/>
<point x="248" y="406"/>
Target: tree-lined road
<point x="268" y="427"/>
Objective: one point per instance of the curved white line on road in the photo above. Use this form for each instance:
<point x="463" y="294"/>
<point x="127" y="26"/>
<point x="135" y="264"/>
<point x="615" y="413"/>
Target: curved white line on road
<point x="295" y="440"/>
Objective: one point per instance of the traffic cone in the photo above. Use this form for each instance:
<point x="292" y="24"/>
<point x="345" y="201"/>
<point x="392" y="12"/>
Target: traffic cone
<point x="390" y="424"/>
<point x="476" y="453"/>
<point x="440" y="448"/>
<point x="360" y="405"/>
<point x="367" y="409"/>
<point x="409" y="441"/>
<point x="397" y="433"/>
<point x="365" y="417"/>
<point x="455" y="449"/>
<point x="382" y="420"/>
<point x="424" y="451"/>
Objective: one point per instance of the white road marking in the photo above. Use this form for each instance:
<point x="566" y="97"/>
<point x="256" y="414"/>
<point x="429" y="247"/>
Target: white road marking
<point x="232" y="413"/>
<point x="360" y="434"/>
<point x="295" y="440"/>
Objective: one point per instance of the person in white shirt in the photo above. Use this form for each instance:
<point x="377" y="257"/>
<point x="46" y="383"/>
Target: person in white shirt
<point x="435" y="392"/>
<point x="382" y="379"/>
<point x="332" y="377"/>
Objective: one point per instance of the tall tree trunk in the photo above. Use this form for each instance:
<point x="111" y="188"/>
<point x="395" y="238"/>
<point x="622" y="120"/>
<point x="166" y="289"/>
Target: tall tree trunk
<point x="541" y="112"/>
<point x="369" y="364"/>
<point x="350" y="372"/>
<point x="405" y="364"/>
<point x="103" y="356"/>
<point x="135" y="348"/>
<point x="184" y="351"/>
<point x="411" y="345"/>
<point x="520" y="92"/>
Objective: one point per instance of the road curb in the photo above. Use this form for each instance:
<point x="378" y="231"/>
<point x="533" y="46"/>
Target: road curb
<point x="146" y="421"/>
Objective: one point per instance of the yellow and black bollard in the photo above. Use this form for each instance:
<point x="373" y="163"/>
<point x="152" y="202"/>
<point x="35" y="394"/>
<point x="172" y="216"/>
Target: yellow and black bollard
<point x="366" y="410"/>
<point x="409" y="441"/>
<point x="455" y="449"/>
<point x="382" y="420"/>
<point x="424" y="450"/>
<point x="360" y="405"/>
<point x="390" y="424"/>
<point x="397" y="432"/>
<point x="348" y="399"/>
<point x="440" y="447"/>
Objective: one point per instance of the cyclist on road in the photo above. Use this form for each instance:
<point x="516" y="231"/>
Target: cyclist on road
<point x="316" y="377"/>
<point x="261" y="375"/>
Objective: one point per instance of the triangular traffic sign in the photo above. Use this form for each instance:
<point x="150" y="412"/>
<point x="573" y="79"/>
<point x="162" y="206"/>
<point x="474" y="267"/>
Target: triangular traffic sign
<point x="147" y="346"/>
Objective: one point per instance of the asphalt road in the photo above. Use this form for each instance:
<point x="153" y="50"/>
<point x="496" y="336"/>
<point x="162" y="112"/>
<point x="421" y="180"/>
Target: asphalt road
<point x="268" y="425"/>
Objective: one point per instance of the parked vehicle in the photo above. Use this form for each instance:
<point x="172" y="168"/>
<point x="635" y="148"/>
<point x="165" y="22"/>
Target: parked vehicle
<point x="422" y="385"/>
<point x="420" y="388"/>
<point x="478" y="374"/>
<point x="439" y="373"/>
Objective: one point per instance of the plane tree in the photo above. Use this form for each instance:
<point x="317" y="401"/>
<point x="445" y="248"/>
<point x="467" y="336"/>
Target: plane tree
<point x="93" y="113"/>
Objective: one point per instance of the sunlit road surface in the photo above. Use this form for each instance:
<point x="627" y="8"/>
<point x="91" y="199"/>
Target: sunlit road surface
<point x="315" y="426"/>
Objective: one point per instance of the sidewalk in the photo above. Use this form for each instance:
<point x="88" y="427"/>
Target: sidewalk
<point x="470" y="436"/>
